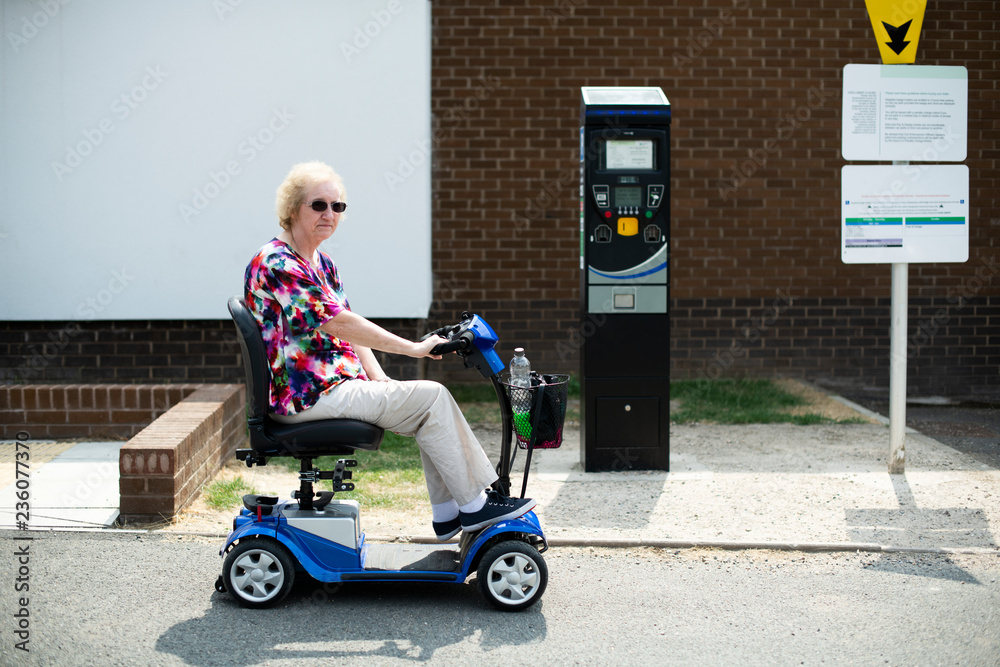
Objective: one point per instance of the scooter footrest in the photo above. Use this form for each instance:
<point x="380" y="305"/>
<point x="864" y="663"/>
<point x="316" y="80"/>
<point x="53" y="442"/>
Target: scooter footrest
<point x="265" y="504"/>
<point x="322" y="499"/>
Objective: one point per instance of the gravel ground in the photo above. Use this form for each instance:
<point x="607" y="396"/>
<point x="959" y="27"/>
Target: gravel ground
<point x="411" y="519"/>
<point x="147" y="599"/>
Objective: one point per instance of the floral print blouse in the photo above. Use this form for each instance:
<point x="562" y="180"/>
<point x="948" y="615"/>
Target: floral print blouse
<point x="290" y="299"/>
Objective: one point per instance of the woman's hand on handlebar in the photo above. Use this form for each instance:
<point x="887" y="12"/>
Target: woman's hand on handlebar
<point x="424" y="347"/>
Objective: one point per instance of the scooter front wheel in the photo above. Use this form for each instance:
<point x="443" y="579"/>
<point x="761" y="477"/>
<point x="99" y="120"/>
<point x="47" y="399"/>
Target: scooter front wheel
<point x="512" y="575"/>
<point x="258" y="572"/>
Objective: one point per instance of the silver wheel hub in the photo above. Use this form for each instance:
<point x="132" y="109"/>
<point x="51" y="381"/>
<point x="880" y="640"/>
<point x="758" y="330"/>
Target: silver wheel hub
<point x="513" y="578"/>
<point x="257" y="575"/>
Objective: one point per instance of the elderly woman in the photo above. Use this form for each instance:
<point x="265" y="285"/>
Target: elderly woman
<point x="323" y="365"/>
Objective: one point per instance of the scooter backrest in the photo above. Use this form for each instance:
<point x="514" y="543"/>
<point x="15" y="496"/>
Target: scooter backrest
<point x="258" y="372"/>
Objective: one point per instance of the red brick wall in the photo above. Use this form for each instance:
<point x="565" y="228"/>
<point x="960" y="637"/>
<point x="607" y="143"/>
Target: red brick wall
<point x="755" y="88"/>
<point x="84" y="411"/>
<point x="168" y="462"/>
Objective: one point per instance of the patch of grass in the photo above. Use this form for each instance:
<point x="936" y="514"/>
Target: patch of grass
<point x="479" y="402"/>
<point x="745" y="401"/>
<point x="481" y="392"/>
<point x="391" y="477"/>
<point x="228" y="494"/>
<point x="573" y="390"/>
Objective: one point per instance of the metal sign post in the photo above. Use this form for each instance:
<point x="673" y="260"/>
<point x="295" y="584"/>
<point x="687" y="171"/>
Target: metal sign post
<point x="903" y="213"/>
<point x="897" y="368"/>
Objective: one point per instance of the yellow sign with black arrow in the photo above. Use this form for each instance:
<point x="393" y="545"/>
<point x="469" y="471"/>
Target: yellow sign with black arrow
<point x="897" y="26"/>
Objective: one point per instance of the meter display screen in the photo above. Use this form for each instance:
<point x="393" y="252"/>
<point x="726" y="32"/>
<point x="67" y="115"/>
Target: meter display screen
<point x="628" y="197"/>
<point x="628" y="154"/>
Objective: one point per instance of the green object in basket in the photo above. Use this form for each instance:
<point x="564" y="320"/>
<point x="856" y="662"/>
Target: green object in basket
<point x="522" y="424"/>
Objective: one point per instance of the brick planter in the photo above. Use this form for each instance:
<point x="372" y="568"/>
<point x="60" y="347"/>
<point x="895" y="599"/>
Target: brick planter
<point x="165" y="465"/>
<point x="179" y="435"/>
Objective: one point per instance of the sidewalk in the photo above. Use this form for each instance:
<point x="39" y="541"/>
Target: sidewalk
<point x="782" y="486"/>
<point x="71" y="485"/>
<point x="778" y="486"/>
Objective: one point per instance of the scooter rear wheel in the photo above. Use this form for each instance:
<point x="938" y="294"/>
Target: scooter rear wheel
<point x="258" y="572"/>
<point x="512" y="575"/>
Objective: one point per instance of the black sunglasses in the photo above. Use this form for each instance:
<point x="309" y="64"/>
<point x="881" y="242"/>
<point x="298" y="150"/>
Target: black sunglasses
<point x="319" y="206"/>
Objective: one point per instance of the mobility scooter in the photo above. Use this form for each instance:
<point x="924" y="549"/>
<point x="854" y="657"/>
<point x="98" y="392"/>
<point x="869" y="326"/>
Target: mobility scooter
<point x="273" y="541"/>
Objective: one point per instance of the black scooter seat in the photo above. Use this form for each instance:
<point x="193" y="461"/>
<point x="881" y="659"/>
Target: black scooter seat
<point x="326" y="437"/>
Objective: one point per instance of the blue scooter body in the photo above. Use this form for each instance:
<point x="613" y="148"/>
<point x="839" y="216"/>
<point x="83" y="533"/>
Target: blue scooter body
<point x="328" y="561"/>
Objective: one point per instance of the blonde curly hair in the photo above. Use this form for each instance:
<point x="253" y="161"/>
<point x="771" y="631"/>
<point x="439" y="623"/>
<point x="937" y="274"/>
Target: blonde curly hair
<point x="292" y="191"/>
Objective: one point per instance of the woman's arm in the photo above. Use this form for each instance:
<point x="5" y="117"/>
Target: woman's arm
<point x="373" y="369"/>
<point x="360" y="332"/>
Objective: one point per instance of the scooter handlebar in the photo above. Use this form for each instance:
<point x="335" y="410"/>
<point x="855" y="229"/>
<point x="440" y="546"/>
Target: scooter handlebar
<point x="458" y="335"/>
<point x="451" y="346"/>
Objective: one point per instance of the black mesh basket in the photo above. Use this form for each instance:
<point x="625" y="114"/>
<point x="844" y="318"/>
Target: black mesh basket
<point x="539" y="412"/>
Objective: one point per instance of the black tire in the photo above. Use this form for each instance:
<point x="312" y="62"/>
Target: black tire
<point x="258" y="572"/>
<point x="512" y="575"/>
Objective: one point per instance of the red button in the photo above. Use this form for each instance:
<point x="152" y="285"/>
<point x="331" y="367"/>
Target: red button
<point x="607" y="214"/>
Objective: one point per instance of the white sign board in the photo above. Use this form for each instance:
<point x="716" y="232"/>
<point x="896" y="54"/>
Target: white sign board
<point x="143" y="142"/>
<point x="905" y="113"/>
<point x="904" y="214"/>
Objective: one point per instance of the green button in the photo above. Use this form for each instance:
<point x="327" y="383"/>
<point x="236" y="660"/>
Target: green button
<point x="649" y="214"/>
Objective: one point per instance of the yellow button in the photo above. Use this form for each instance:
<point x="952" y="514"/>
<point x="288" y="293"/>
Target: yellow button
<point x="628" y="226"/>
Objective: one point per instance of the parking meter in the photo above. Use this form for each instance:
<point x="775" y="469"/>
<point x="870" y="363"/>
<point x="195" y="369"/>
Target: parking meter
<point x="624" y="250"/>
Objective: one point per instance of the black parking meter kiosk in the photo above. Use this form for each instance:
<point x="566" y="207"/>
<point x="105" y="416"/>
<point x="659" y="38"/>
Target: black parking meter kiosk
<point x="624" y="248"/>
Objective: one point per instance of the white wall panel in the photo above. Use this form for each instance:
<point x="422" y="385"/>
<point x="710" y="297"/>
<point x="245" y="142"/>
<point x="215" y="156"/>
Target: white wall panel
<point x="143" y="141"/>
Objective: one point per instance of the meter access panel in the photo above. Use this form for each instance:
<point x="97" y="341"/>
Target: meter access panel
<point x="626" y="221"/>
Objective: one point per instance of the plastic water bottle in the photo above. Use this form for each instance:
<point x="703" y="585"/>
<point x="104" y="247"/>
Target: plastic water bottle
<point x="520" y="369"/>
<point x="520" y="399"/>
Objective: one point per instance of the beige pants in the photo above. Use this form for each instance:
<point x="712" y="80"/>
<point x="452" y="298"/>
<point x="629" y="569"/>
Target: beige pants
<point x="455" y="465"/>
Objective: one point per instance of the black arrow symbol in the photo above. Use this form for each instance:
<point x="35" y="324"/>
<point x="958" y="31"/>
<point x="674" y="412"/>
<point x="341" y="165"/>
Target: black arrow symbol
<point x="897" y="35"/>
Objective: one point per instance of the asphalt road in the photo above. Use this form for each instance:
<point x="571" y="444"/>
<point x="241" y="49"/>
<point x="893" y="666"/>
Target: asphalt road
<point x="130" y="599"/>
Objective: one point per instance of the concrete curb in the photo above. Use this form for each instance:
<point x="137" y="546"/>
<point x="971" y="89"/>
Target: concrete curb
<point x="808" y="547"/>
<point x="604" y="543"/>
